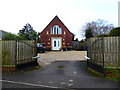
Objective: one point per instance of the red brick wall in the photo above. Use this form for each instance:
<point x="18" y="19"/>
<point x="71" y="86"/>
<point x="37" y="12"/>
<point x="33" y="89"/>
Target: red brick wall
<point x="66" y="34"/>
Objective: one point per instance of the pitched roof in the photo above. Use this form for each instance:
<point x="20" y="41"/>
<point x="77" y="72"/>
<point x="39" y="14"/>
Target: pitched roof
<point x="56" y="17"/>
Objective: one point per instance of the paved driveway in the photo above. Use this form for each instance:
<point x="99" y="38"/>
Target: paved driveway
<point x="48" y="57"/>
<point x="58" y="74"/>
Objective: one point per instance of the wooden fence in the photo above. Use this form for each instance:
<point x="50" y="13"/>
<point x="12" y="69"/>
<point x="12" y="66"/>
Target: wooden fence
<point x="104" y="52"/>
<point x="77" y="45"/>
<point x="0" y="65"/>
<point x="17" y="52"/>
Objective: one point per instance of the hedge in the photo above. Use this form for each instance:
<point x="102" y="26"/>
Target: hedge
<point x="115" y="32"/>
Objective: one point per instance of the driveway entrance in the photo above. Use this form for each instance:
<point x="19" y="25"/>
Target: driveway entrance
<point x="59" y="74"/>
<point x="48" y="57"/>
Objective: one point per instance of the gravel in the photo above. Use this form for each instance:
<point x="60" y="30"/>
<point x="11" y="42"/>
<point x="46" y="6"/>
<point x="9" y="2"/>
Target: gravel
<point x="48" y="57"/>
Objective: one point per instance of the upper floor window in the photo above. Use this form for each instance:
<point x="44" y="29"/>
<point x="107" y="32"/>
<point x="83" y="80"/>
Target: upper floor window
<point x="56" y="30"/>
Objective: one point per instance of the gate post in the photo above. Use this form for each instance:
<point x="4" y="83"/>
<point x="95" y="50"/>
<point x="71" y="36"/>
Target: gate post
<point x="15" y="58"/>
<point x="119" y="51"/>
<point x="1" y="64"/>
<point x="103" y="54"/>
<point x="87" y="52"/>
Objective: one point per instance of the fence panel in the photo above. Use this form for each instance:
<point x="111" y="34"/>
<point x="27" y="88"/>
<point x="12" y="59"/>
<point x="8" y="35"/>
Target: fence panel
<point x="18" y="52"/>
<point x="95" y="49"/>
<point x="26" y="50"/>
<point x="111" y="52"/>
<point x="76" y="45"/>
<point x="8" y="53"/>
<point x="104" y="52"/>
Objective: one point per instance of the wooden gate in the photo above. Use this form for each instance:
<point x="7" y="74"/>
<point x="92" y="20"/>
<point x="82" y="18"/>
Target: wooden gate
<point x="103" y="53"/>
<point x="16" y="53"/>
<point x="96" y="54"/>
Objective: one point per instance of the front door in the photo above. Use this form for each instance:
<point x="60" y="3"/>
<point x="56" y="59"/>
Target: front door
<point x="56" y="44"/>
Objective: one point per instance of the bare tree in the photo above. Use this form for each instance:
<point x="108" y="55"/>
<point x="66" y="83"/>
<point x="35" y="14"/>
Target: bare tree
<point x="98" y="27"/>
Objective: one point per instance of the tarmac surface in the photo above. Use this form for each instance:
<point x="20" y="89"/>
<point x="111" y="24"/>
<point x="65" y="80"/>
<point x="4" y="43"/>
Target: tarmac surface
<point x="58" y="74"/>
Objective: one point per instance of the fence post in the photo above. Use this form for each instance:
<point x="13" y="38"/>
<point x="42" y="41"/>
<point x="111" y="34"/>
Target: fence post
<point x="103" y="54"/>
<point x="1" y="64"/>
<point x="87" y="51"/>
<point x="118" y="52"/>
<point x="15" y="54"/>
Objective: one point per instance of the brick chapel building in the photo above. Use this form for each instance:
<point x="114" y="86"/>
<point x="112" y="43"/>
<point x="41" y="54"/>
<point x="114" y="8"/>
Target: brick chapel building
<point x="56" y="35"/>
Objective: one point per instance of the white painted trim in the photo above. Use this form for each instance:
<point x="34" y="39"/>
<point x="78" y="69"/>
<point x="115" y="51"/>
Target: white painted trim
<point x="55" y="38"/>
<point x="87" y="57"/>
<point x="36" y="57"/>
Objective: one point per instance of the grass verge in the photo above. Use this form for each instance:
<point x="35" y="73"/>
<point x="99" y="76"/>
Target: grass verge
<point x="111" y="74"/>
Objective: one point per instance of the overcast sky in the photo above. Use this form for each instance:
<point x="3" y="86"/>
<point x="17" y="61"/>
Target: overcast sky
<point x="14" y="14"/>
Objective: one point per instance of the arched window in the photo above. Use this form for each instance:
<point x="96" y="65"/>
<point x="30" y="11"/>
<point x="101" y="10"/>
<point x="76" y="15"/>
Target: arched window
<point x="56" y="30"/>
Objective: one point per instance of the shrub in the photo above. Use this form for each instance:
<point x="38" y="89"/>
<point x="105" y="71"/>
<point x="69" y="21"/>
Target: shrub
<point x="9" y="36"/>
<point x="102" y="35"/>
<point x="115" y="32"/>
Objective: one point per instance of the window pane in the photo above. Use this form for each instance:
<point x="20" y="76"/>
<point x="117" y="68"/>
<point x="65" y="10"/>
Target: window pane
<point x="57" y="30"/>
<point x="60" y="30"/>
<point x="54" y="30"/>
<point x="54" y="43"/>
<point x="51" y="31"/>
<point x="58" y="44"/>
